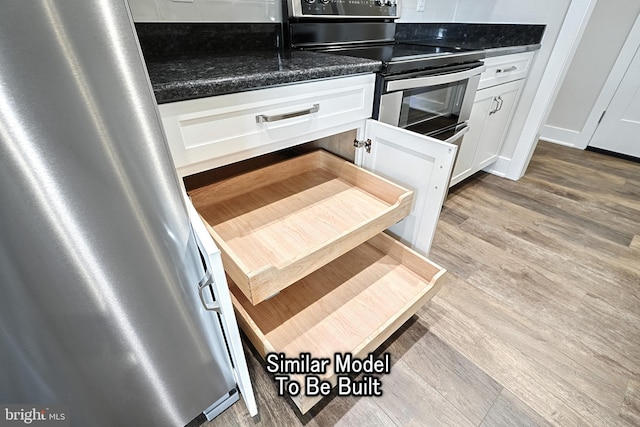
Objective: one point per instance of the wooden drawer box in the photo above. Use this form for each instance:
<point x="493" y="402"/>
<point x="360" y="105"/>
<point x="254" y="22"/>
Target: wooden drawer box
<point x="351" y="305"/>
<point x="278" y="224"/>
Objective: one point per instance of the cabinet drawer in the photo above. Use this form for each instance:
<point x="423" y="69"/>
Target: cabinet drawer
<point x="350" y="305"/>
<point x="277" y="224"/>
<point x="503" y="69"/>
<point x="210" y="132"/>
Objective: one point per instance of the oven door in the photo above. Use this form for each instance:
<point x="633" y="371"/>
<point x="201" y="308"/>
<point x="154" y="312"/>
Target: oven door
<point x="429" y="102"/>
<point x="435" y="103"/>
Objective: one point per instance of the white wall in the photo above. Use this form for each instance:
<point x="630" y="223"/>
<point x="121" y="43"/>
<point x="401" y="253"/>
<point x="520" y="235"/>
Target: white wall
<point x="447" y="11"/>
<point x="599" y="47"/>
<point x="270" y="11"/>
<point x="505" y="11"/>
<point x="206" y="10"/>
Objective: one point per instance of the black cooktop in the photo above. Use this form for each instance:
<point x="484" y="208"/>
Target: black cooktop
<point x="404" y="57"/>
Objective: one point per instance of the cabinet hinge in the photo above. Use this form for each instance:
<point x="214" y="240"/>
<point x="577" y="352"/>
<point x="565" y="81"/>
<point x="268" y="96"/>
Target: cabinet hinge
<point x="366" y="144"/>
<point x="601" y="116"/>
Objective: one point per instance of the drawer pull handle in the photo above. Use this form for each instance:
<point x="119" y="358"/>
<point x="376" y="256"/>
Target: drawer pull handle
<point x="506" y="70"/>
<point x="499" y="101"/>
<point x="261" y="118"/>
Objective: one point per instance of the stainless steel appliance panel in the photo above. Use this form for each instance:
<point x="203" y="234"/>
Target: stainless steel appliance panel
<point x="314" y="35"/>
<point x="98" y="264"/>
<point x="435" y="103"/>
<point x="340" y="9"/>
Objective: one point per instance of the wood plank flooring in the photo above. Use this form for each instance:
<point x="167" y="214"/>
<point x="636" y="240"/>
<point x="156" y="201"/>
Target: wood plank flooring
<point x="538" y="319"/>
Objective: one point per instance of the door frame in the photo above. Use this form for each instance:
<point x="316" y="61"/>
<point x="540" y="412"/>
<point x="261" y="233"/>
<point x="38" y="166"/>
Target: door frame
<point x="610" y="87"/>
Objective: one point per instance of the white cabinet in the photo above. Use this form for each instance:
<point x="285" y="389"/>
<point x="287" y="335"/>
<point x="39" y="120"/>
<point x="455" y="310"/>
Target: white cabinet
<point x="310" y="269"/>
<point x="210" y="132"/>
<point x="494" y="105"/>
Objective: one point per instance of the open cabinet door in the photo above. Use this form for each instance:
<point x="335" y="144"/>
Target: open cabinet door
<point x="415" y="161"/>
<point x="222" y="304"/>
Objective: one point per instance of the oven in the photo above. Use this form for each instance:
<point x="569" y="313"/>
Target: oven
<point x="422" y="88"/>
<point x="433" y="102"/>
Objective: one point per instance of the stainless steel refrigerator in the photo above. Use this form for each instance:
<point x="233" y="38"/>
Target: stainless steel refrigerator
<point x="99" y="265"/>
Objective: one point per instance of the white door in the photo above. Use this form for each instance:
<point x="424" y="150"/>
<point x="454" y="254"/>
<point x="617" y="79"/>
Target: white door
<point x="414" y="161"/>
<point x="619" y="130"/>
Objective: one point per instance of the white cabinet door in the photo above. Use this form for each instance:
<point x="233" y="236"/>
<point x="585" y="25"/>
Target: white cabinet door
<point x="498" y="119"/>
<point x="420" y="163"/>
<point x="222" y="297"/>
<point x="488" y="124"/>
<point x="465" y="161"/>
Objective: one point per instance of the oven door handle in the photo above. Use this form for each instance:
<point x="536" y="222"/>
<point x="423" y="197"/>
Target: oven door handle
<point x="441" y="79"/>
<point x="458" y="134"/>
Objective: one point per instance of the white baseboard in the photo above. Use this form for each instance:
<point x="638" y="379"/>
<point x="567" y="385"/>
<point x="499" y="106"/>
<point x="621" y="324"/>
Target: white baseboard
<point x="558" y="135"/>
<point x="499" y="167"/>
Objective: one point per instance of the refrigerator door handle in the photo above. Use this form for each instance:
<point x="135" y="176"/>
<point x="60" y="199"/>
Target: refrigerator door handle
<point x="206" y="283"/>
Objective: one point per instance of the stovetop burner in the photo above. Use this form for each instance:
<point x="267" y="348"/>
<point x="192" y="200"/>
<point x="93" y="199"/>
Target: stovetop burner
<point x="403" y="57"/>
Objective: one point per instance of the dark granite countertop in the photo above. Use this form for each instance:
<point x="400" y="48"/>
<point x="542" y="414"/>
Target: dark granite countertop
<point x="193" y="60"/>
<point x="494" y="38"/>
<point x="215" y="73"/>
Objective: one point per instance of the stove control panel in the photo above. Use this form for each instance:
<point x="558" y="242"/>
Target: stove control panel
<point x="386" y="9"/>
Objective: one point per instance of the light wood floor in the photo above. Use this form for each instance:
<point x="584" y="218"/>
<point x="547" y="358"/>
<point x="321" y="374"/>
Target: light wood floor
<point x="538" y="319"/>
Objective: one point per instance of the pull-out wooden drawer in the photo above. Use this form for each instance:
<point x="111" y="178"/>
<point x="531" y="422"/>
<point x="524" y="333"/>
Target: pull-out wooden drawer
<point x="278" y="224"/>
<point x="351" y="305"/>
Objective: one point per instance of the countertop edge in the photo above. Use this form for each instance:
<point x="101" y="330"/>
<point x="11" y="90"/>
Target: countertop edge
<point x="170" y="94"/>
<point x="510" y="50"/>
